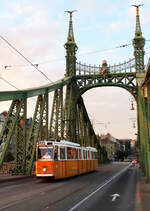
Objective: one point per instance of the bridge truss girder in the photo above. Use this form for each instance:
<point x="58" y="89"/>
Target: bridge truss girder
<point x="126" y="81"/>
<point x="20" y="139"/>
<point x="56" y="129"/>
<point x="8" y="129"/>
<point x="85" y="134"/>
<point x="36" y="130"/>
<point x="69" y="118"/>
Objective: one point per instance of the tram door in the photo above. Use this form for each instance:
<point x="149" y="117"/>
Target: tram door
<point x="60" y="166"/>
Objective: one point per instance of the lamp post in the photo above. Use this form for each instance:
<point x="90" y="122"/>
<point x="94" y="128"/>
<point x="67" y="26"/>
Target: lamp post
<point x="132" y="104"/>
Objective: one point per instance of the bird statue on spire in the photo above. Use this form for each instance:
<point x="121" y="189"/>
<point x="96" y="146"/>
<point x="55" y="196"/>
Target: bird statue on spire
<point x="70" y="12"/>
<point x="137" y="7"/>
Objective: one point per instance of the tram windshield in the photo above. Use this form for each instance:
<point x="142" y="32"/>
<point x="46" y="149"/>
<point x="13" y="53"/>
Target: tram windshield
<point x="45" y="153"/>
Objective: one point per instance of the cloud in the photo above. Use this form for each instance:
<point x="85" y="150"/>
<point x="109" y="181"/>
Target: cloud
<point x="38" y="38"/>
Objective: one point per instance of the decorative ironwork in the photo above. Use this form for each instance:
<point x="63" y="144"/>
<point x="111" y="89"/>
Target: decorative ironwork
<point x="35" y="131"/>
<point x="124" y="80"/>
<point x="56" y="130"/>
<point x="8" y="127"/>
<point x="20" y="139"/>
<point x="125" y="67"/>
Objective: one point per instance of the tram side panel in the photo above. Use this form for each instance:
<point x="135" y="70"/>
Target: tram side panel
<point x="45" y="168"/>
<point x="59" y="167"/>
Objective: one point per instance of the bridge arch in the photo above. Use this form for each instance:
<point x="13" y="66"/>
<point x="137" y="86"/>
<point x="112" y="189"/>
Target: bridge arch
<point x="131" y="90"/>
<point x="113" y="105"/>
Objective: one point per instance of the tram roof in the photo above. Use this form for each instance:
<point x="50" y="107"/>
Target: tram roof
<point x="92" y="148"/>
<point x="65" y="142"/>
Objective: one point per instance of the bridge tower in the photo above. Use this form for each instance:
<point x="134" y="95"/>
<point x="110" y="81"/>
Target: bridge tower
<point x="142" y="106"/>
<point x="138" y="44"/>
<point x="71" y="89"/>
<point x="71" y="49"/>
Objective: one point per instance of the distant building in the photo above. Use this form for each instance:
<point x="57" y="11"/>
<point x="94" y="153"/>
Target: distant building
<point x="111" y="145"/>
<point x="2" y="120"/>
<point x="125" y="145"/>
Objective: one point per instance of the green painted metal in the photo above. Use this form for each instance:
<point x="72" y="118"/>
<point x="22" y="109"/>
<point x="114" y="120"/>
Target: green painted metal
<point x="20" y="138"/>
<point x="144" y="133"/>
<point x="71" y="49"/>
<point x="125" y="67"/>
<point x="44" y="123"/>
<point x="27" y="93"/>
<point x="70" y="101"/>
<point x="56" y="130"/>
<point x="86" y="134"/>
<point x="142" y="102"/>
<point x="8" y="128"/>
<point x="34" y="133"/>
<point x="124" y="80"/>
<point x="138" y="43"/>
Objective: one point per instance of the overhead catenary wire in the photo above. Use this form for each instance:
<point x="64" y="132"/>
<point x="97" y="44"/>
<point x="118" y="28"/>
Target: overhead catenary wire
<point x="6" y="81"/>
<point x="107" y="49"/>
<point x="25" y="58"/>
<point x="36" y="64"/>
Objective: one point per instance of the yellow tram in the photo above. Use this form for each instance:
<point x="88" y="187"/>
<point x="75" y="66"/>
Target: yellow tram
<point x="62" y="159"/>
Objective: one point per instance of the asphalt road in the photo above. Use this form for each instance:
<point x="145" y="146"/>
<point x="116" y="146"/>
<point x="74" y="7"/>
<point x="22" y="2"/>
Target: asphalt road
<point x="112" y="188"/>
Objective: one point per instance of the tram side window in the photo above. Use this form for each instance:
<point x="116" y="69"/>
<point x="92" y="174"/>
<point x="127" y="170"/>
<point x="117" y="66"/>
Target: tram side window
<point x="69" y="153"/>
<point x="74" y="151"/>
<point x="79" y="154"/>
<point x="56" y="153"/>
<point x="83" y="154"/>
<point x="88" y="157"/>
<point x="62" y="153"/>
<point x="96" y="155"/>
<point x="39" y="153"/>
<point x="93" y="155"/>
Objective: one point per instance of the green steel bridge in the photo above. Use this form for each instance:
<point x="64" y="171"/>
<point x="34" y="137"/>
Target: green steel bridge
<point x="69" y="118"/>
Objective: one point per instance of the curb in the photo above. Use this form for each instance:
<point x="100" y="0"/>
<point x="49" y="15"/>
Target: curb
<point x="7" y="178"/>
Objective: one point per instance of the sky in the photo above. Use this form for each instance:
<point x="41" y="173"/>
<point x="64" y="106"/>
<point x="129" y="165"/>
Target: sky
<point x="38" y="29"/>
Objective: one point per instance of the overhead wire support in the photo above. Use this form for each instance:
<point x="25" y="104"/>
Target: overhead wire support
<point x="60" y="59"/>
<point x="35" y="66"/>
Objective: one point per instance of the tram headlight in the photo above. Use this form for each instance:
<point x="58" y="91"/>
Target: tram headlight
<point x="44" y="169"/>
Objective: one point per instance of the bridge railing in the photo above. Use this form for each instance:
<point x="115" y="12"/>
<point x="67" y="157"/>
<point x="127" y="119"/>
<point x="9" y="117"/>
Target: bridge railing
<point x="125" y="67"/>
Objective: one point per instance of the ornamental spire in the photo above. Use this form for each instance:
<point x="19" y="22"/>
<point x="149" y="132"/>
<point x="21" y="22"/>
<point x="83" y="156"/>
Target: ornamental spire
<point x="138" y="43"/>
<point x="71" y="49"/>
<point x="70" y="33"/>
<point x="138" y="31"/>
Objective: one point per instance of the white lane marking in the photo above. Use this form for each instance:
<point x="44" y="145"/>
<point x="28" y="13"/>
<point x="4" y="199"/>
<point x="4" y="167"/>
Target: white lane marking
<point x="99" y="188"/>
<point x="114" y="196"/>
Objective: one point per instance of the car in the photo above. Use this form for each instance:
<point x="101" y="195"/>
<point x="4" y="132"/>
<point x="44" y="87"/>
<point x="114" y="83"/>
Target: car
<point x="134" y="161"/>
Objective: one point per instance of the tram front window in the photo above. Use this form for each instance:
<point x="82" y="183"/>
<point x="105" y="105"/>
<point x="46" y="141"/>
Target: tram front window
<point x="45" y="153"/>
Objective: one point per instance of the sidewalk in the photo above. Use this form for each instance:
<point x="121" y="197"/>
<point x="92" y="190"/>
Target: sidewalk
<point x="9" y="178"/>
<point x="143" y="189"/>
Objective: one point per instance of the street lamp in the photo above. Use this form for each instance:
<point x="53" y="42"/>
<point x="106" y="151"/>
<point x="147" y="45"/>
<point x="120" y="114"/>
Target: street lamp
<point x="132" y="105"/>
<point x="133" y="121"/>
